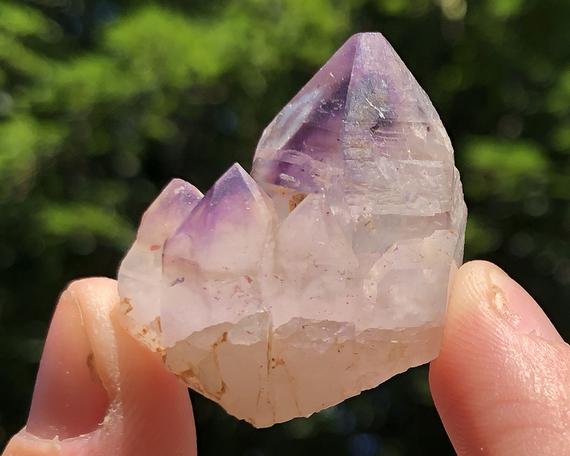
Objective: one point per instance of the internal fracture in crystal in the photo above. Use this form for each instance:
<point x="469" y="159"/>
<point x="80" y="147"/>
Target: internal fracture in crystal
<point x="326" y="271"/>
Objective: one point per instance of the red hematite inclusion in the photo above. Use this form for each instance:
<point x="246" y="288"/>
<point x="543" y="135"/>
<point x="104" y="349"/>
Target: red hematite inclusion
<point x="326" y="272"/>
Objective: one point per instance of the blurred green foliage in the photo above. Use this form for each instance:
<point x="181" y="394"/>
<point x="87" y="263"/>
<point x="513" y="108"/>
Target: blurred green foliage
<point x="103" y="101"/>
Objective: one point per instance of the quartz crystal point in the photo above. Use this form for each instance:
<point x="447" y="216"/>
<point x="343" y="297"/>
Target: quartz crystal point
<point x="326" y="272"/>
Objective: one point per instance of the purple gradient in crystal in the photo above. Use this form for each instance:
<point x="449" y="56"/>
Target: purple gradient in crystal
<point x="306" y="132"/>
<point x="364" y="88"/>
<point x="230" y="202"/>
<point x="167" y="211"/>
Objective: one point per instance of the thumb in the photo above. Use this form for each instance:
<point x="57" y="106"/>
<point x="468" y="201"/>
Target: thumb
<point x="98" y="392"/>
<point x="502" y="381"/>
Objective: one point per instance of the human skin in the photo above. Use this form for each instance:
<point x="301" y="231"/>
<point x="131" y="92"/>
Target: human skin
<point x="501" y="383"/>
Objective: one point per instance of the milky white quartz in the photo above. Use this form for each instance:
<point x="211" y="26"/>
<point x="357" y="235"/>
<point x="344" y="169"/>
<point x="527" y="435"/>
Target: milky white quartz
<point x="326" y="272"/>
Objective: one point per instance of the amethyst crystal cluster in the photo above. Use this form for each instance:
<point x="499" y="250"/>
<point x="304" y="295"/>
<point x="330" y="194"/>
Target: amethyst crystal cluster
<point x="325" y="271"/>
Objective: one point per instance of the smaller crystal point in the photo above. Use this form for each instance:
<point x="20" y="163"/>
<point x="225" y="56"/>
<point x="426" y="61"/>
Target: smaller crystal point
<point x="228" y="229"/>
<point x="328" y="271"/>
<point x="211" y="260"/>
<point x="141" y="269"/>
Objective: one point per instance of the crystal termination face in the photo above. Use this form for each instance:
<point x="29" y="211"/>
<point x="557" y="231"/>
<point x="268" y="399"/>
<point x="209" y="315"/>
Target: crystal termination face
<point x="325" y="273"/>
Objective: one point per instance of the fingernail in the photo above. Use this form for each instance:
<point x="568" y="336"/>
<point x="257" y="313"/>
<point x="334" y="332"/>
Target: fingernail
<point x="519" y="309"/>
<point x="68" y="400"/>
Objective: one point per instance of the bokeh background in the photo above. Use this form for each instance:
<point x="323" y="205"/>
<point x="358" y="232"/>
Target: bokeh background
<point x="103" y="101"/>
